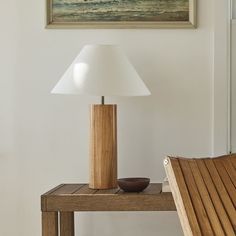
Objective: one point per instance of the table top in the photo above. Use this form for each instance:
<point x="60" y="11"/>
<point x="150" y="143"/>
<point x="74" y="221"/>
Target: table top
<point x="79" y="197"/>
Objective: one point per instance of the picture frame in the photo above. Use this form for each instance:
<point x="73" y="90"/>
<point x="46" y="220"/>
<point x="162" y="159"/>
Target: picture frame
<point x="63" y="14"/>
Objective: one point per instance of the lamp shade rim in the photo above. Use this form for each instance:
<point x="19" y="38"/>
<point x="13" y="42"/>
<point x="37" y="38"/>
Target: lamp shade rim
<point x="101" y="70"/>
<point x="98" y="95"/>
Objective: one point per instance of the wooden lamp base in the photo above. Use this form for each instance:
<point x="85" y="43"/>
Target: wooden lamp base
<point x="103" y="147"/>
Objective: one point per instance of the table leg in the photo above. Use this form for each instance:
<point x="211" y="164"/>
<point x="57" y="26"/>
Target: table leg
<point x="67" y="227"/>
<point x="49" y="223"/>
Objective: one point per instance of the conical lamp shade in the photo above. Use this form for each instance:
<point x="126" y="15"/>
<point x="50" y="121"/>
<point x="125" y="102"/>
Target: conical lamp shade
<point x="101" y="70"/>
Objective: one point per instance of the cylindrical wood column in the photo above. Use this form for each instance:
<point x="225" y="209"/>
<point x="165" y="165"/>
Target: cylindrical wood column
<point x="103" y="147"/>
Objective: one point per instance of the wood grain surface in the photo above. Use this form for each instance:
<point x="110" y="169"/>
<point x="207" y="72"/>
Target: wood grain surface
<point x="205" y="194"/>
<point x="103" y="147"/>
<point x="49" y="224"/>
<point x="67" y="224"/>
<point x="86" y="199"/>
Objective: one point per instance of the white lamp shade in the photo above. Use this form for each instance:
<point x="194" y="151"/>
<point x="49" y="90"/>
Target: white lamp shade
<point x="101" y="70"/>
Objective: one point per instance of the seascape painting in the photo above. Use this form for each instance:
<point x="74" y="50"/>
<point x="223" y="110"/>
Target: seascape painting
<point x="118" y="11"/>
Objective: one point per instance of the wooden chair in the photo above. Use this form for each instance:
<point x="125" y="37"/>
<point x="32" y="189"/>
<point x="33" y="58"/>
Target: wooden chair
<point x="204" y="191"/>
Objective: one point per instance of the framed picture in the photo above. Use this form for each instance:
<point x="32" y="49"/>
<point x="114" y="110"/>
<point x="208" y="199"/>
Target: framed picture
<point x="121" y="13"/>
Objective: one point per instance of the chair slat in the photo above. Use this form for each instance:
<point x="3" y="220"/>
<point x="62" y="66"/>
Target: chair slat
<point x="224" y="219"/>
<point x="196" y="198"/>
<point x="219" y="163"/>
<point x="227" y="162"/>
<point x="233" y="160"/>
<point x="206" y="199"/>
<point x="225" y="199"/>
<point x="182" y="199"/>
<point x="204" y="194"/>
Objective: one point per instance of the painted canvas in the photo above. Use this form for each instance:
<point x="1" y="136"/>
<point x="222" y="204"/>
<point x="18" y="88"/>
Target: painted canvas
<point x="120" y="12"/>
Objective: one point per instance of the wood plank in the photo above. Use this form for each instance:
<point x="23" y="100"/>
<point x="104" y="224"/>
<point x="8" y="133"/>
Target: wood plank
<point x="230" y="169"/>
<point x="206" y="200"/>
<point x="111" y="202"/>
<point x="85" y="190"/>
<point x="67" y="189"/>
<point x="49" y="223"/>
<point x="233" y="160"/>
<point x="53" y="189"/>
<point x="153" y="188"/>
<point x="222" y="215"/>
<point x="108" y="191"/>
<point x="182" y="198"/>
<point x="229" y="186"/>
<point x="122" y="192"/>
<point x="67" y="227"/>
<point x="198" y="205"/>
<point x="44" y="197"/>
<point x="225" y="199"/>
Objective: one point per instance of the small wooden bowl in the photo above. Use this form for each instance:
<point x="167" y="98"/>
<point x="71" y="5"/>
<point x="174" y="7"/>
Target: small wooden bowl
<point x="133" y="184"/>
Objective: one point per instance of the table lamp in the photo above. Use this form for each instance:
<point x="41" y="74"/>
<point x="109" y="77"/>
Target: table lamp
<point x="102" y="70"/>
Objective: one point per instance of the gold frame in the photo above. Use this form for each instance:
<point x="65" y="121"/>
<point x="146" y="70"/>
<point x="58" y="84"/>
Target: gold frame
<point x="192" y="23"/>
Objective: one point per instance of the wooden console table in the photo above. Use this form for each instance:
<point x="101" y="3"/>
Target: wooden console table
<point x="68" y="198"/>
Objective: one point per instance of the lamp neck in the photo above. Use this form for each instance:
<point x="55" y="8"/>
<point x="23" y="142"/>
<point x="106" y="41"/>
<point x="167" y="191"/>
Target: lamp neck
<point x="103" y="100"/>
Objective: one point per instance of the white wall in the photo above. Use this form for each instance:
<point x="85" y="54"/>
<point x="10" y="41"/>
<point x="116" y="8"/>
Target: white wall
<point x="233" y="96"/>
<point x="8" y="160"/>
<point x="234" y="8"/>
<point x="44" y="138"/>
<point x="233" y="79"/>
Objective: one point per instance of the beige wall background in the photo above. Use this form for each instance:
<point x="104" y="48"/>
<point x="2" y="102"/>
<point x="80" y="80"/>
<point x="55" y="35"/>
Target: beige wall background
<point x="44" y="137"/>
<point x="234" y="8"/>
<point x="233" y="78"/>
